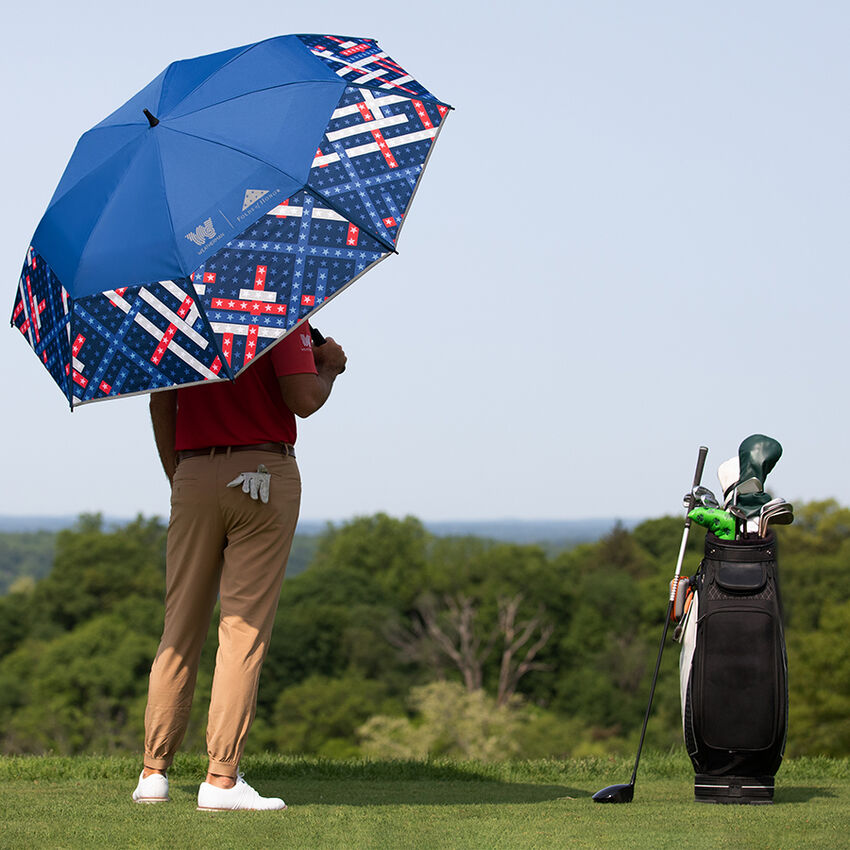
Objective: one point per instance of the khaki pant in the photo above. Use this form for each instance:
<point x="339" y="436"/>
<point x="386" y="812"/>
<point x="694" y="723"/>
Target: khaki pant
<point x="220" y="542"/>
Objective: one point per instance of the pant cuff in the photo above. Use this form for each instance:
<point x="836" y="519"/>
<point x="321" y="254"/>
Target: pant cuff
<point x="223" y="768"/>
<point x="157" y="764"/>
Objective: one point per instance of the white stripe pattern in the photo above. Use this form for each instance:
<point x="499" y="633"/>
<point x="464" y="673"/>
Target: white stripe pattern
<point x="366" y="127"/>
<point x="293" y="211"/>
<point x="378" y="102"/>
<point x="173" y="318"/>
<point x="242" y="330"/>
<point x="257" y="295"/>
<point x="174" y="347"/>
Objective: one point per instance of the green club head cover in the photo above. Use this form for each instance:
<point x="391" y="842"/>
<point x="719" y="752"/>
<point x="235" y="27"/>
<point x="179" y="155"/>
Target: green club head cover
<point x="717" y="521"/>
<point x="752" y="502"/>
<point x="757" y="455"/>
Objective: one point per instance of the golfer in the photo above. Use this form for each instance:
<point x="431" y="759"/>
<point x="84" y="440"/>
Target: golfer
<point x="227" y="449"/>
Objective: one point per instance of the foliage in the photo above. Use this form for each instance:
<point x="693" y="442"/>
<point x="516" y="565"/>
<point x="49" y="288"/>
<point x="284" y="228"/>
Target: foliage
<point x="449" y="720"/>
<point x="24" y="558"/>
<point x="321" y="714"/>
<point x="76" y="644"/>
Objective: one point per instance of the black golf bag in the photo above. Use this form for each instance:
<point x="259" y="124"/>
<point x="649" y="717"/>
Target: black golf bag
<point x="734" y="672"/>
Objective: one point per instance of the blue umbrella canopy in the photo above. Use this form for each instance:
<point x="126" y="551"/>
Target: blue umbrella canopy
<point x="220" y="207"/>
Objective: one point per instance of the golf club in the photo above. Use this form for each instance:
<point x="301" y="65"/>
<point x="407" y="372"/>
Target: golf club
<point x="779" y="518"/>
<point x="778" y="513"/>
<point x="741" y="515"/>
<point x="703" y="496"/>
<point x="626" y="793"/>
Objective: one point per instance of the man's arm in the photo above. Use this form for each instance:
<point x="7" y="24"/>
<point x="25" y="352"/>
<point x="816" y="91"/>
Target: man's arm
<point x="304" y="394"/>
<point x="163" y="408"/>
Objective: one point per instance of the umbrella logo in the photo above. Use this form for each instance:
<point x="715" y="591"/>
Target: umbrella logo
<point x="252" y="196"/>
<point x="202" y="232"/>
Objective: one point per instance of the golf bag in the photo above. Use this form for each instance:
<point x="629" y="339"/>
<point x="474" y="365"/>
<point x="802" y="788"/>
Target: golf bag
<point x="734" y="672"/>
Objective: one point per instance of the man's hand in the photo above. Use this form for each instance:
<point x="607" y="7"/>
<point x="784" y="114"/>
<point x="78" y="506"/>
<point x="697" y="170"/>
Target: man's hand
<point x="304" y="394"/>
<point x="256" y="484"/>
<point x="329" y="357"/>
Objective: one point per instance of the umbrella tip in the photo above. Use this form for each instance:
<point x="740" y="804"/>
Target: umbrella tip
<point x="152" y="119"/>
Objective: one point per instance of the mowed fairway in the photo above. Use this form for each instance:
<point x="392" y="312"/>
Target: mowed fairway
<point x="56" y="802"/>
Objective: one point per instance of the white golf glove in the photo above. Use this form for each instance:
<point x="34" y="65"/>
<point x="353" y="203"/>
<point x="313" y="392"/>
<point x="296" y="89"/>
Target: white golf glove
<point x="255" y="483"/>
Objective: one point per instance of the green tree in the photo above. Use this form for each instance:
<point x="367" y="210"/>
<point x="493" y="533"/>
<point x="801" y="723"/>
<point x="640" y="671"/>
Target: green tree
<point x="820" y="679"/>
<point x="388" y="550"/>
<point x="95" y="569"/>
<point x="83" y="690"/>
<point x="321" y="715"/>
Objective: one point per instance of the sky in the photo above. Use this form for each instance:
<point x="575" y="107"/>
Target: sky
<point x="630" y="241"/>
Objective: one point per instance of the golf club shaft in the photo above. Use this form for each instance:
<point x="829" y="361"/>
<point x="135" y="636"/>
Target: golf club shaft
<point x="703" y="453"/>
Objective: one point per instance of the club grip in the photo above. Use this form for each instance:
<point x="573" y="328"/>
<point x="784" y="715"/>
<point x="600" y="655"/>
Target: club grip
<point x="703" y="454"/>
<point x="318" y="339"/>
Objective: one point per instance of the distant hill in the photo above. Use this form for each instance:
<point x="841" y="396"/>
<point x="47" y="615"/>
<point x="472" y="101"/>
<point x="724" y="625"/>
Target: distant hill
<point x="555" y="531"/>
<point x="27" y="543"/>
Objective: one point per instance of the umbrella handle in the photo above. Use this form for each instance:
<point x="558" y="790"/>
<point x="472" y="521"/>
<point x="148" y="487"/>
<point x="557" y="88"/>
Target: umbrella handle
<point x="316" y="334"/>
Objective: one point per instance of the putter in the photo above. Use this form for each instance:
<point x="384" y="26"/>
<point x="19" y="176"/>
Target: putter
<point x="625" y="793"/>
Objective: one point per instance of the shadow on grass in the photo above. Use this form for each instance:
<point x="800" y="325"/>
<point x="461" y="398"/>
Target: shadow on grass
<point x="801" y="794"/>
<point x="370" y="783"/>
<point x="373" y="792"/>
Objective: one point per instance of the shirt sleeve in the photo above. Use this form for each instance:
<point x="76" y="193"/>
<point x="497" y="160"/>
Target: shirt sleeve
<point x="294" y="354"/>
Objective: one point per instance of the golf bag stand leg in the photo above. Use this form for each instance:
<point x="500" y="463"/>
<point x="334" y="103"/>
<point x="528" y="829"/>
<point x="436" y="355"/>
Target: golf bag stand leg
<point x="734" y="672"/>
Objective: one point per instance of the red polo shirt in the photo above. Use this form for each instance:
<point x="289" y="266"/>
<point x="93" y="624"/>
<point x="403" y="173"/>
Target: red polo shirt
<point x="250" y="409"/>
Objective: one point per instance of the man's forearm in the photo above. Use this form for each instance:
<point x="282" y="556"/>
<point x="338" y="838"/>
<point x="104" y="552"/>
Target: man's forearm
<point x="163" y="407"/>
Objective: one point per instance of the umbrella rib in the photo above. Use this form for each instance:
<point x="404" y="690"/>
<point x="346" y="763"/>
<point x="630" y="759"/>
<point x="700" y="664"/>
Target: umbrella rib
<point x="421" y="173"/>
<point x="171" y="114"/>
<point x="410" y="95"/>
<point x="167" y="204"/>
<point x="247" y="49"/>
<point x="230" y="147"/>
<point x="366" y="228"/>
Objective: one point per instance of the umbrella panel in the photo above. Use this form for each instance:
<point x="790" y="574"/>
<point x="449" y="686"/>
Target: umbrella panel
<point x="278" y="271"/>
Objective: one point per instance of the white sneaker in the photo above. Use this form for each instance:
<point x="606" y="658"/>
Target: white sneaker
<point x="241" y="796"/>
<point x="151" y="789"/>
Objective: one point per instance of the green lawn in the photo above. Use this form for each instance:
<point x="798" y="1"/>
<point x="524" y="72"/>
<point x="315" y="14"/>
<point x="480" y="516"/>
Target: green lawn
<point x="84" y="802"/>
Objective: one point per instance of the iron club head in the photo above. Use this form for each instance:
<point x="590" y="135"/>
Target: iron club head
<point x="615" y="794"/>
<point x="703" y="497"/>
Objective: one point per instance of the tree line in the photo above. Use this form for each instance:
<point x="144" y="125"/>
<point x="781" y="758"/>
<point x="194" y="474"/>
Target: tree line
<point x="398" y="643"/>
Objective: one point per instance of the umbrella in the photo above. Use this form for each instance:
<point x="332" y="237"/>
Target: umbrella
<point x="220" y="207"/>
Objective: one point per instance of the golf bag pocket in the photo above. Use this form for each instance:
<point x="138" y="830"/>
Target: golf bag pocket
<point x="733" y="670"/>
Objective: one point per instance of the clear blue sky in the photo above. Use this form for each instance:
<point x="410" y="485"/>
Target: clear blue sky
<point x="630" y="240"/>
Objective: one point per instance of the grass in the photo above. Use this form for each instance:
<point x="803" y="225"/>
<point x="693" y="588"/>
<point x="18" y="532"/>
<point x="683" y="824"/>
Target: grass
<point x="63" y="802"/>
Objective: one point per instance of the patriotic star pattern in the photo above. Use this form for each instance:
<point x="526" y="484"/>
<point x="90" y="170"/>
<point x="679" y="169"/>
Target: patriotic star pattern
<point x="278" y="272"/>
<point x="124" y="341"/>
<point x="362" y="62"/>
<point x="135" y="339"/>
<point x="41" y="314"/>
<point x="372" y="155"/>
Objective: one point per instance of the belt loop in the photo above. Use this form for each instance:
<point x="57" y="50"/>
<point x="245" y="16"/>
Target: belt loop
<point x="228" y="452"/>
<point x="212" y="452"/>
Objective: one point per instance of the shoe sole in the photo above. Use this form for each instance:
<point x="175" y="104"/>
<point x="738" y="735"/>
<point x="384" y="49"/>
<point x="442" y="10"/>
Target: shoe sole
<point x="211" y="809"/>
<point x="152" y="800"/>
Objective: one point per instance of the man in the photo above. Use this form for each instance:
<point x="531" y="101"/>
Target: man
<point x="227" y="449"/>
